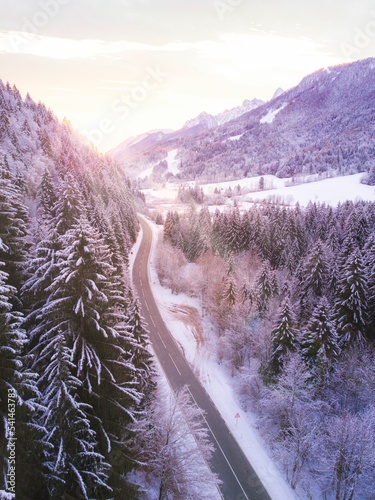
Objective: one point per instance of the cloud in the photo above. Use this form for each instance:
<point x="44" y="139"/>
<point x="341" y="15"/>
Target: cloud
<point x="18" y="42"/>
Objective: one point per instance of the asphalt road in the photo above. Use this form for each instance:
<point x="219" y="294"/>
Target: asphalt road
<point x="240" y="481"/>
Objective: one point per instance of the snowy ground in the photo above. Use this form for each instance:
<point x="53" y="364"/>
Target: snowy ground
<point x="201" y="353"/>
<point x="330" y="191"/>
<point x="173" y="164"/>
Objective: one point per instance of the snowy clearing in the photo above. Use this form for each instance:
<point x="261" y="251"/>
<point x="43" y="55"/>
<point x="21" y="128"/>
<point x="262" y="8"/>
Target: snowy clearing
<point x="331" y="191"/>
<point x="173" y="164"/>
<point x="270" y="116"/>
<point x="235" y="137"/>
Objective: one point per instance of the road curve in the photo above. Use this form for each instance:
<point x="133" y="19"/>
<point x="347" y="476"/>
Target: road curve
<point x="240" y="481"/>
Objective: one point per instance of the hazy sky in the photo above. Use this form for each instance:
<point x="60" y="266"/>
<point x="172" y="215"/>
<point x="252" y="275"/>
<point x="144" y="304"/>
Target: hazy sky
<point x="117" y="68"/>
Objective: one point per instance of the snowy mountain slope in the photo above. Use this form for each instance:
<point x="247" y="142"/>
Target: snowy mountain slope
<point x="277" y="93"/>
<point x="213" y="121"/>
<point x="324" y="124"/>
<point x="132" y="148"/>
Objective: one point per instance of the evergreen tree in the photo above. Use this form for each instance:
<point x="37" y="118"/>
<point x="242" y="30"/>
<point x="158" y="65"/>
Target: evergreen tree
<point x="172" y="230"/>
<point x="265" y="287"/>
<point x="73" y="463"/>
<point x="284" y="338"/>
<point x="18" y="393"/>
<point x="230" y="291"/>
<point x="69" y="206"/>
<point x="369" y="252"/>
<point x="320" y="342"/>
<point x="13" y="231"/>
<point x="313" y="277"/>
<point x="87" y="306"/>
<point x="246" y="233"/>
<point x="46" y="194"/>
<point x="217" y="234"/>
<point x="233" y="235"/>
<point x="138" y="332"/>
<point x="205" y="226"/>
<point x="351" y="301"/>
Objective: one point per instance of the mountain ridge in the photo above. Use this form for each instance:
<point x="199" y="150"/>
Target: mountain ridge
<point x="204" y="121"/>
<point x="326" y="123"/>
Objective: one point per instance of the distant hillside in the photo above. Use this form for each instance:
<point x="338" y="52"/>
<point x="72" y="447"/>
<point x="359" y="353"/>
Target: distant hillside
<point x="207" y="121"/>
<point x="132" y="149"/>
<point x="326" y="123"/>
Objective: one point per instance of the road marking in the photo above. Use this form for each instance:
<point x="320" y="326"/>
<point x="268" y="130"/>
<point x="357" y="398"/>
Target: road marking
<point x="174" y="363"/>
<point x="217" y="442"/>
<point x="162" y="341"/>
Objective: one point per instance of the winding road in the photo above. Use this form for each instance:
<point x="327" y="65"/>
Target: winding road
<point x="240" y="481"/>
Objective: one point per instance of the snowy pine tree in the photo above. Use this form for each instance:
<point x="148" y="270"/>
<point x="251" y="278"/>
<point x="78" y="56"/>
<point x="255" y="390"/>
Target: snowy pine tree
<point x="172" y="230"/>
<point x="351" y="300"/>
<point x="320" y="342"/>
<point x="74" y="465"/>
<point x="17" y="386"/>
<point x="229" y="297"/>
<point x="13" y="231"/>
<point x="87" y="306"/>
<point x="313" y="277"/>
<point x="284" y="338"/>
<point x="369" y="252"/>
<point x="265" y="287"/>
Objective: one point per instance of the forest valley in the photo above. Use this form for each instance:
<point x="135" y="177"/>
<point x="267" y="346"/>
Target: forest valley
<point x="290" y="293"/>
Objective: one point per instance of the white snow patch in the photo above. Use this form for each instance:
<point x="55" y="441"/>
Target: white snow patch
<point x="147" y="172"/>
<point x="218" y="383"/>
<point x="235" y="137"/>
<point x="167" y="192"/>
<point x="330" y="191"/>
<point x="173" y="164"/>
<point x="270" y="116"/>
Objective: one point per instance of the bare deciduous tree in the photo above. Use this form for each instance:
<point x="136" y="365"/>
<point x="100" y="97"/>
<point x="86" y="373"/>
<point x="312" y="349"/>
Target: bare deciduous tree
<point x="175" y="449"/>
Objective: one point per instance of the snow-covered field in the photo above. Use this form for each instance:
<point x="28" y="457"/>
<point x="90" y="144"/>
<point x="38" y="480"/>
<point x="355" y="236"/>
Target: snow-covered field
<point x="216" y="378"/>
<point x="330" y="191"/>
